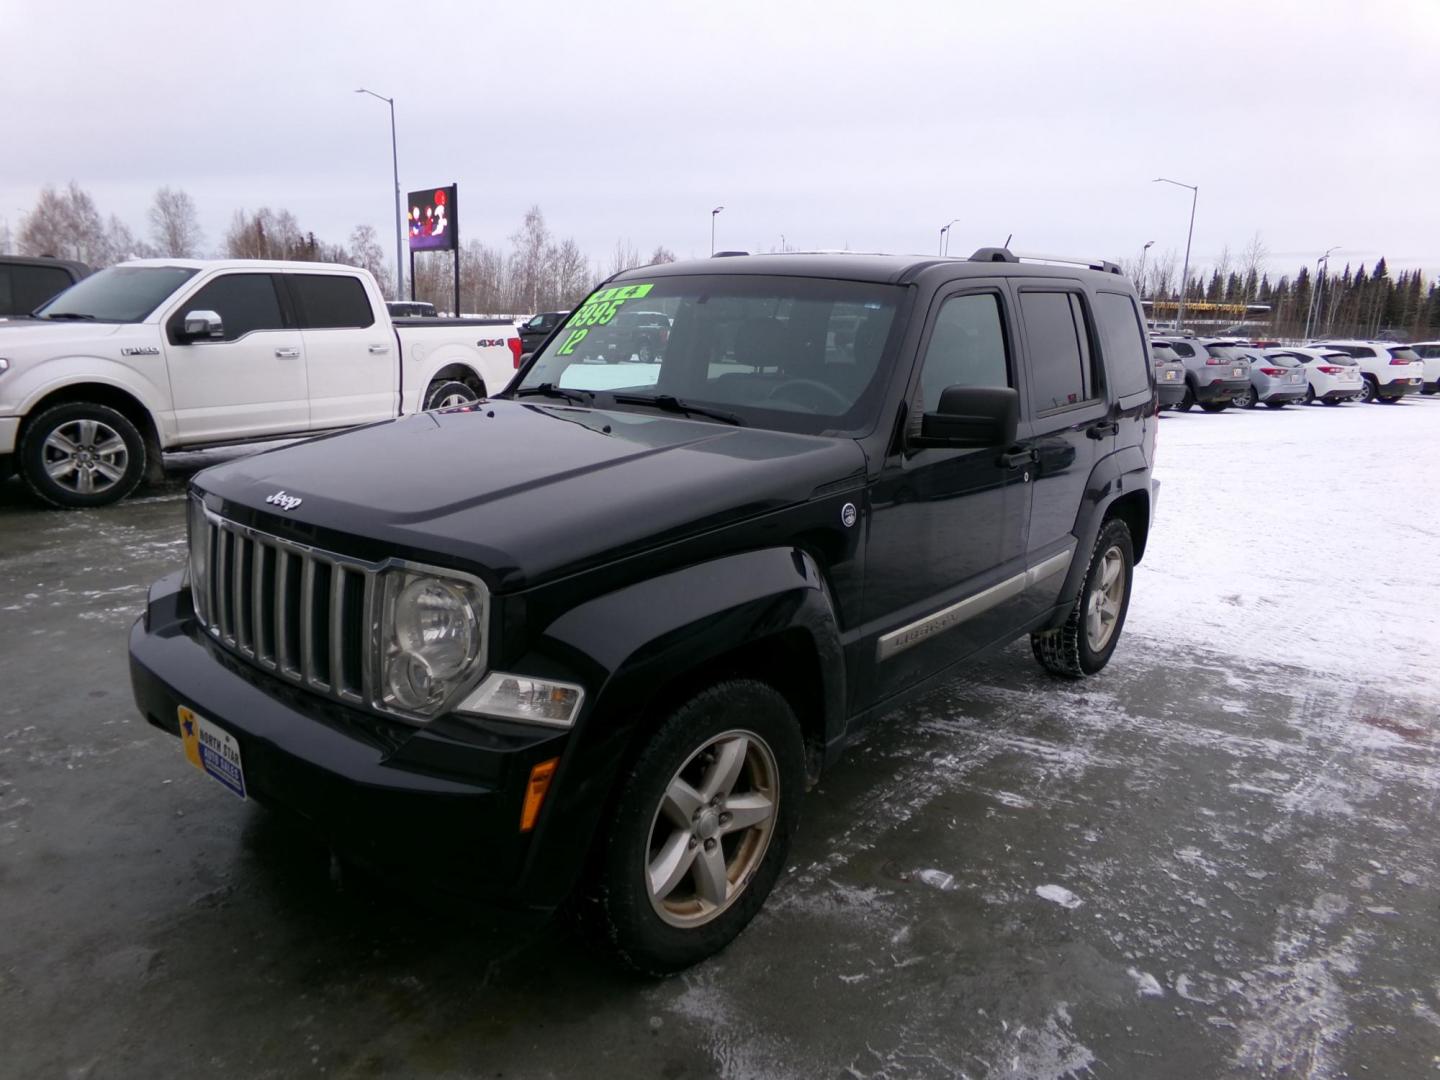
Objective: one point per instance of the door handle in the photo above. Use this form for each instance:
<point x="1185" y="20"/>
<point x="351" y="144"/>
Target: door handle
<point x="379" y="350"/>
<point x="287" y="354"/>
<point x="1013" y="459"/>
<point x="1104" y="429"/>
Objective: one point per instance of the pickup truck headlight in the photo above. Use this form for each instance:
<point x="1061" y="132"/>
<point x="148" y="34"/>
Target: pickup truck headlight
<point x="432" y="639"/>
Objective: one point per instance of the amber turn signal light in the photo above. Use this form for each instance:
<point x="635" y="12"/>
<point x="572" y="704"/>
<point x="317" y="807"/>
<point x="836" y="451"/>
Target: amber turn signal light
<point x="540" y="777"/>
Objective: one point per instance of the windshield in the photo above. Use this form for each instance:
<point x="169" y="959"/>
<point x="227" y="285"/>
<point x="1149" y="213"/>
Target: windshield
<point x="119" y="294"/>
<point x="789" y="353"/>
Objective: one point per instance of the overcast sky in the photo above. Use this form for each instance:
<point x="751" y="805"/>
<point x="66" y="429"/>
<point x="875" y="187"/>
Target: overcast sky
<point x="1315" y="122"/>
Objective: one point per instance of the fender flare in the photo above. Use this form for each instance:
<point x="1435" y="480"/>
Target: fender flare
<point x="1114" y="477"/>
<point x="62" y="373"/>
<point x="632" y="643"/>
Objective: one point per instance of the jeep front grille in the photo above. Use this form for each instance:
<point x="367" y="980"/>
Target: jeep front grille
<point x="294" y="610"/>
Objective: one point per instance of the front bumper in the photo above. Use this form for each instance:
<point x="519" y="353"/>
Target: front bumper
<point x="441" y="810"/>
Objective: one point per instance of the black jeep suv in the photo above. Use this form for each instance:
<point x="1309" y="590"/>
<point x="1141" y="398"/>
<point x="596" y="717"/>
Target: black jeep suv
<point x="592" y="637"/>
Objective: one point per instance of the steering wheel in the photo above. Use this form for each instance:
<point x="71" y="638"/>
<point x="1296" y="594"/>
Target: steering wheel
<point x="832" y="397"/>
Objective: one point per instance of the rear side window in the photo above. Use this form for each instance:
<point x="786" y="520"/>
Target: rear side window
<point x="245" y="303"/>
<point x="1353" y="350"/>
<point x="1059" y="345"/>
<point x="967" y="348"/>
<point x="25" y="288"/>
<point x="331" y="302"/>
<point x="1123" y="343"/>
<point x="1183" y="349"/>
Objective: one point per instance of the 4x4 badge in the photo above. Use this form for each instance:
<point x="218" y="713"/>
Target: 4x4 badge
<point x="847" y="515"/>
<point x="285" y="502"/>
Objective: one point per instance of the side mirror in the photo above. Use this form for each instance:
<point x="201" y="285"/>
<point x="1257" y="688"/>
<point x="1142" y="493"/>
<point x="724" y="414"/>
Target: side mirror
<point x="202" y="324"/>
<point x="972" y="416"/>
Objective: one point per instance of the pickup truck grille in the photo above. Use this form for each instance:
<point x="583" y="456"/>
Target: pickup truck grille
<point x="295" y="611"/>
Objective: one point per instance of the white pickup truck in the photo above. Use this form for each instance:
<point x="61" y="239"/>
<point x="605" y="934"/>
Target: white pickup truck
<point x="163" y="354"/>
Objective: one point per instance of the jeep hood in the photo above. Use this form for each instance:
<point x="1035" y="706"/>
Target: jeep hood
<point x="522" y="491"/>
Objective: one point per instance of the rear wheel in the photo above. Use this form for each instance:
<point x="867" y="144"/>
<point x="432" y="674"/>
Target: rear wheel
<point x="1245" y="399"/>
<point x="1086" y="642"/>
<point x="82" y="454"/>
<point x="1275" y="404"/>
<point x="1186" y="403"/>
<point x="1367" y="390"/>
<point x="1332" y="401"/>
<point x="447" y="393"/>
<point x="700" y="829"/>
<point x="1214" y="406"/>
<point x="1310" y="395"/>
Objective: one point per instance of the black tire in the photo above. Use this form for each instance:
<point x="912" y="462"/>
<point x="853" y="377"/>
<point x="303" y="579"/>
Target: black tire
<point x="1247" y="400"/>
<point x="447" y="393"/>
<point x="1276" y="404"/>
<point x="111" y="475"/>
<point x="1368" y="392"/>
<point x="616" y="902"/>
<point x="1068" y="651"/>
<point x="1186" y="403"/>
<point x="1214" y="406"/>
<point x="1387" y="400"/>
<point x="1331" y="401"/>
<point x="1310" y="395"/>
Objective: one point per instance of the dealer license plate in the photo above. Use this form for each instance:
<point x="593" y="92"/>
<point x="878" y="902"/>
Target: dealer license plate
<point x="212" y="750"/>
<point x="1169" y="376"/>
<point x="1239" y="373"/>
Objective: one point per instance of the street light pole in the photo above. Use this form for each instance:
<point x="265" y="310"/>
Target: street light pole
<point x="1317" y="288"/>
<point x="399" y="206"/>
<point x="1185" y="272"/>
<point x="945" y="237"/>
<point x="713" y="215"/>
<point x="1143" y="252"/>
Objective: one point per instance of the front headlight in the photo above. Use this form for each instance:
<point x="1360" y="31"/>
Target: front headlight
<point x="4" y="365"/>
<point x="432" y="639"/>
<point x="199" y="542"/>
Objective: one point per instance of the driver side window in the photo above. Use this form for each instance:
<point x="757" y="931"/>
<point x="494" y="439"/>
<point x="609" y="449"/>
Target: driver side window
<point x="244" y="302"/>
<point x="967" y="348"/>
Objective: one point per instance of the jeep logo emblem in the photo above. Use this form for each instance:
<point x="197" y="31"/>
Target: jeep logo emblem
<point x="285" y="502"/>
<point x="848" y="515"/>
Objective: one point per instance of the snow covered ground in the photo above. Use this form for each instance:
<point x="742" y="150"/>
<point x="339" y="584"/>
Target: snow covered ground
<point x="1306" y="536"/>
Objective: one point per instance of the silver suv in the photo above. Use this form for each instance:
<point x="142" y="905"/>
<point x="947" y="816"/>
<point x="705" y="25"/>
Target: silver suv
<point x="1212" y="380"/>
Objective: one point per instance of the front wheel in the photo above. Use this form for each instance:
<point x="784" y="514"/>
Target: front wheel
<point x="1085" y="643"/>
<point x="82" y="454"/>
<point x="700" y="828"/>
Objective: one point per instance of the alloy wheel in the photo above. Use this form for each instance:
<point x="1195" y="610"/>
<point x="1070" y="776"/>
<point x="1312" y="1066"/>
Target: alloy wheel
<point x="1106" y="599"/>
<point x="712" y="828"/>
<point x="85" y="456"/>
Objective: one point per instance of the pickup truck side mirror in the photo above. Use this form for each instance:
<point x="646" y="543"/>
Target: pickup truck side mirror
<point x="202" y="324"/>
<point x="972" y="416"/>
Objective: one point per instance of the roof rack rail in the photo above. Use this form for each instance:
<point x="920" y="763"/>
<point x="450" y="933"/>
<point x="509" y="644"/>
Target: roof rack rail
<point x="1000" y="254"/>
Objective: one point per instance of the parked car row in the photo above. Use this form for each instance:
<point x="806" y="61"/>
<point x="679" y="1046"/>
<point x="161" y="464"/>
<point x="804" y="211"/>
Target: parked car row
<point x="1216" y="373"/>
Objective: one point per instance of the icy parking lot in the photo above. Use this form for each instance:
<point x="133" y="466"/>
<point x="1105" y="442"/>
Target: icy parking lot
<point x="1218" y="858"/>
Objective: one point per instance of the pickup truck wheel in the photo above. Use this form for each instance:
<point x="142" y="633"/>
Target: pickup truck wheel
<point x="700" y="830"/>
<point x="445" y="393"/>
<point x="1085" y="643"/>
<point x="80" y="454"/>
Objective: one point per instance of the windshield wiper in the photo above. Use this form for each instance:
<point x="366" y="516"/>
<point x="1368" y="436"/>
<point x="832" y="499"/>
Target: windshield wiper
<point x="69" y="315"/>
<point x="584" y="397"/>
<point x="670" y="403"/>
